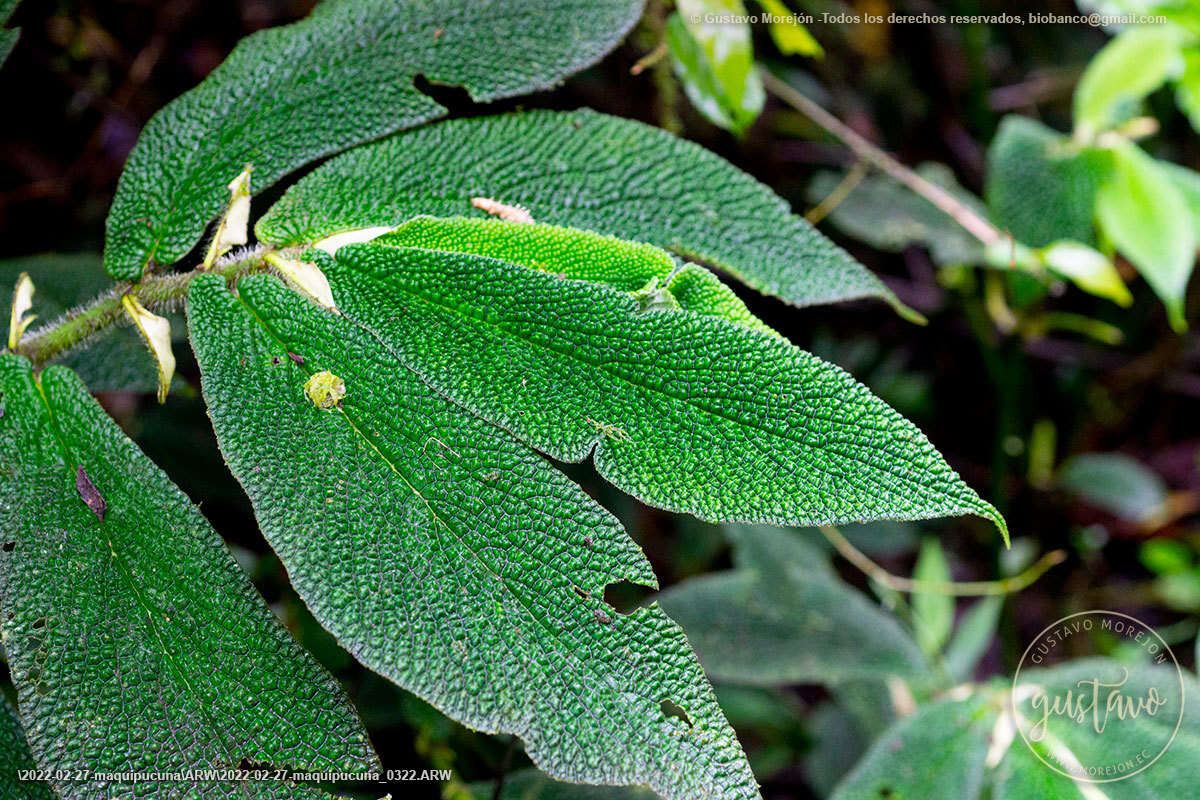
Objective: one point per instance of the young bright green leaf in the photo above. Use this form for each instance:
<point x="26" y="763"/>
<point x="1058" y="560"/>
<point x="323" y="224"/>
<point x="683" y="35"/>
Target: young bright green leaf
<point x="783" y="617"/>
<point x="113" y="360"/>
<point x="1145" y="215"/>
<point x="345" y="75"/>
<point x="14" y="757"/>
<point x="1187" y="181"/>
<point x="447" y="556"/>
<point x="1087" y="268"/>
<point x="135" y="641"/>
<point x="1040" y="186"/>
<point x="584" y="170"/>
<point x="1134" y="64"/>
<point x="582" y="255"/>
<point x="713" y="57"/>
<point x="933" y="612"/>
<point x="936" y="753"/>
<point x="1187" y="88"/>
<point x="789" y="35"/>
<point x="685" y="411"/>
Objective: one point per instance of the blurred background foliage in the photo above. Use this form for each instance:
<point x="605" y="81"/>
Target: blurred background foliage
<point x="1059" y="370"/>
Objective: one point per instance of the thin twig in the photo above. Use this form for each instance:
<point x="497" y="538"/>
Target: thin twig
<point x="650" y="59"/>
<point x="978" y="227"/>
<point x="880" y="575"/>
<point x="840" y="193"/>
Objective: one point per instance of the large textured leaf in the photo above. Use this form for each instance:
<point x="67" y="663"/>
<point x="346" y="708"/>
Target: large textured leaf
<point x="584" y="170"/>
<point x="684" y="411"/>
<point x="529" y="784"/>
<point x="449" y="557"/>
<point x="15" y="757"/>
<point x="116" y="359"/>
<point x="134" y="640"/>
<point x="345" y="75"/>
<point x="1040" y="186"/>
<point x="783" y="616"/>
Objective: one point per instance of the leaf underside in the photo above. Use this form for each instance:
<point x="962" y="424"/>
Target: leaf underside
<point x="585" y="170"/>
<point x="345" y="75"/>
<point x="135" y="641"/>
<point x="450" y="558"/>
<point x="685" y="411"/>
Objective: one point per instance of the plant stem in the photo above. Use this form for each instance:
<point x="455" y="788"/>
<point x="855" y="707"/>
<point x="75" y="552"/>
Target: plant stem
<point x="155" y="292"/>
<point x="877" y="573"/>
<point x="978" y="227"/>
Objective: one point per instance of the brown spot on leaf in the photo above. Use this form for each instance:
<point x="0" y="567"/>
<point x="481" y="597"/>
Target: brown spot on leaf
<point x="296" y="357"/>
<point x="89" y="493"/>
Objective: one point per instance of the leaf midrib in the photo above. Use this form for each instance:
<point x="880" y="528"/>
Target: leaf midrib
<point x="566" y="651"/>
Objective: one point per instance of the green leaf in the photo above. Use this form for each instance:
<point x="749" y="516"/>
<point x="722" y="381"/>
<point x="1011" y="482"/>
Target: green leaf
<point x="783" y="616"/>
<point x="1134" y="64"/>
<point x="684" y="411"/>
<point x="114" y="360"/>
<point x="1116" y="483"/>
<point x="584" y="170"/>
<point x="14" y="757"/>
<point x="1187" y="88"/>
<point x="936" y="753"/>
<point x="889" y="216"/>
<point x="933" y="612"/>
<point x="345" y="75"/>
<point x="973" y="637"/>
<point x="1088" y="269"/>
<point x="448" y="557"/>
<point x="1187" y="181"/>
<point x="135" y="641"/>
<point x="529" y="784"/>
<point x="1174" y="774"/>
<point x="1146" y="216"/>
<point x="1040" y="186"/>
<point x="8" y="36"/>
<point x="791" y="37"/>
<point x="713" y="57"/>
<point x="640" y="269"/>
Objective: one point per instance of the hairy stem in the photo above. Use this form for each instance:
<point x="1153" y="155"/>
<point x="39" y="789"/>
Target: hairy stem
<point x="978" y="227"/>
<point x="877" y="573"/>
<point x="155" y="292"/>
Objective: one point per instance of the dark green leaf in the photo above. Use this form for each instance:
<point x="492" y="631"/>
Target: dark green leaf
<point x="447" y="556"/>
<point x="135" y="641"/>
<point x="14" y="757"/>
<point x="584" y="170"/>
<point x="116" y="359"/>
<point x="975" y="633"/>
<point x="8" y="36"/>
<point x="1115" y="483"/>
<point x="783" y="616"/>
<point x="529" y="784"/>
<point x="889" y="216"/>
<point x="684" y="411"/>
<point x="936" y="753"/>
<point x="345" y="75"/>
<point x="1040" y="186"/>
